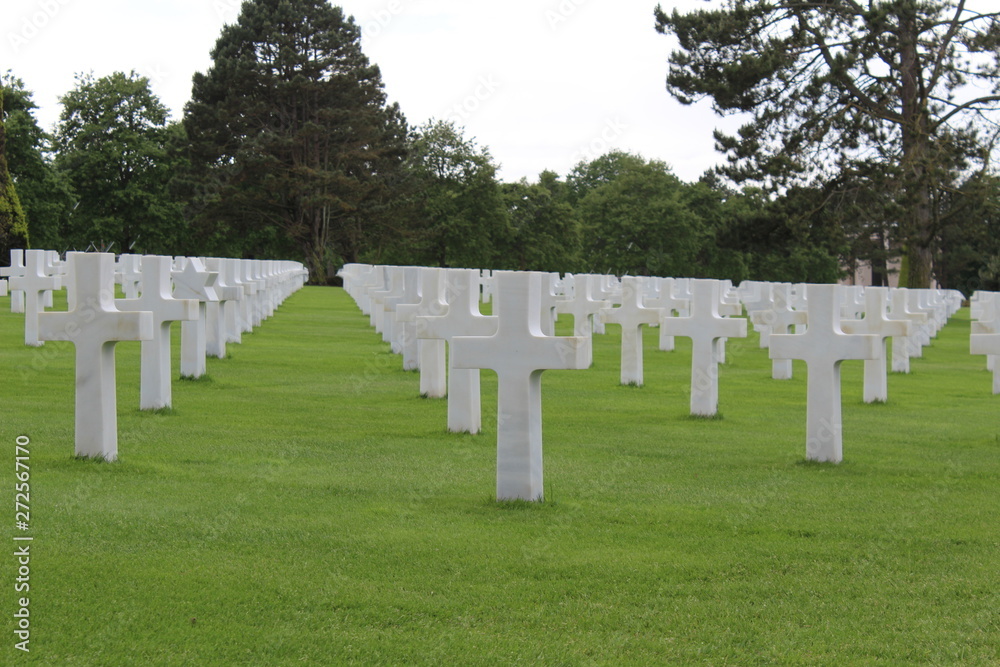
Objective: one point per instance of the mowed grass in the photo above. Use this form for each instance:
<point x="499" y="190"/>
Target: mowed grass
<point x="304" y="505"/>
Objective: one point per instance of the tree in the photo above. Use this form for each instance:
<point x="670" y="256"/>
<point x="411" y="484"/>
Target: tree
<point x="459" y="214"/>
<point x="634" y="218"/>
<point x="969" y="242"/>
<point x="831" y="85"/>
<point x="291" y="140"/>
<point x="13" y="224"/>
<point x="45" y="194"/>
<point x="112" y="145"/>
<point x="543" y="233"/>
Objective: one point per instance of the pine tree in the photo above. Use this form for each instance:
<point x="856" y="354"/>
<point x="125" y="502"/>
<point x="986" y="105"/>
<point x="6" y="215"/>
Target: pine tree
<point x="833" y="87"/>
<point x="291" y="139"/>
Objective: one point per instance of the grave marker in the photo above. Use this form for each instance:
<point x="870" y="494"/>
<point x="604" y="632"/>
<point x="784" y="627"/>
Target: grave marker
<point x="904" y="346"/>
<point x="194" y="281"/>
<point x="219" y="313"/>
<point x="16" y="269"/>
<point x="34" y="282"/>
<point x="704" y="326"/>
<point x="519" y="352"/>
<point x="670" y="305"/>
<point x="780" y="318"/>
<point x="583" y="307"/>
<point x="877" y="322"/>
<point x="462" y="318"/>
<point x="430" y="352"/>
<point x="631" y="315"/>
<point x="94" y="325"/>
<point x="156" y="297"/>
<point x="824" y="346"/>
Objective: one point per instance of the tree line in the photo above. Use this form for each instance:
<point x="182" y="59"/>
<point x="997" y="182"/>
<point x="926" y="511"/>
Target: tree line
<point x="289" y="148"/>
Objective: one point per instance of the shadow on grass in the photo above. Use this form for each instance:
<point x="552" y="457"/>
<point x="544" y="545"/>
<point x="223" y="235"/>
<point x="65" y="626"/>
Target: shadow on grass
<point x="705" y="418"/>
<point x="821" y="465"/>
<point x="539" y="505"/>
<point x="205" y="379"/>
<point x="160" y="412"/>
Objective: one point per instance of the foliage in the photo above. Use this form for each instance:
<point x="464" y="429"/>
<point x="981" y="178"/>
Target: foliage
<point x="291" y="139"/>
<point x="969" y="256"/>
<point x="634" y="218"/>
<point x="459" y="215"/>
<point x="112" y="146"/>
<point x="45" y="194"/>
<point x="543" y="232"/>
<point x="831" y="86"/>
<point x="13" y="223"/>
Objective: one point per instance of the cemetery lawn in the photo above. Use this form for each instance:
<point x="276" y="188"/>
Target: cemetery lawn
<point x="304" y="505"/>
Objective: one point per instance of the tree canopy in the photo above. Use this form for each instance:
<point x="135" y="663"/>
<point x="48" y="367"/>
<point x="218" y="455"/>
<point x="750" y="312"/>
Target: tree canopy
<point x="45" y="194"/>
<point x="13" y="223"/>
<point x="112" y="145"/>
<point x="291" y="138"/>
<point x="833" y="87"/>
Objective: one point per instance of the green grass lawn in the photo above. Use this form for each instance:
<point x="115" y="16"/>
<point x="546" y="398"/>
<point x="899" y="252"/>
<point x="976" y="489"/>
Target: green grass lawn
<point x="304" y="505"/>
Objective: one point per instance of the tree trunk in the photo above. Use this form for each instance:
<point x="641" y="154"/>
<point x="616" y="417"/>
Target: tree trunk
<point x="880" y="268"/>
<point x="916" y="138"/>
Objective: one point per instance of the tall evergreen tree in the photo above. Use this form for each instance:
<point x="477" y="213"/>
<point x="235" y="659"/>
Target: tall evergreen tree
<point x="291" y="139"/>
<point x="836" y="84"/>
<point x="13" y="224"/>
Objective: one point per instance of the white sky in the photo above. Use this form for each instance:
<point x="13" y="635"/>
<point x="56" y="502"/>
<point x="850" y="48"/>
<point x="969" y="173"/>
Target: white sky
<point x="541" y="83"/>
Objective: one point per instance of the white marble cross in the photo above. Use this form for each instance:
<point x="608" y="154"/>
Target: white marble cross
<point x="551" y="296"/>
<point x="583" y="307"/>
<point x="986" y="344"/>
<point x="922" y="334"/>
<point x="519" y="352"/>
<point x="631" y="315"/>
<point x="670" y="305"/>
<point x="391" y="288"/>
<point x="462" y="318"/>
<point x="247" y="303"/>
<point x="824" y="346"/>
<point x="234" y="313"/>
<point x="34" y="283"/>
<point x="128" y="273"/>
<point x="94" y="325"/>
<point x="194" y="281"/>
<point x="903" y="347"/>
<point x="779" y="319"/>
<point x="986" y="310"/>
<point x="15" y="269"/>
<point x="156" y="297"/>
<point x="373" y="280"/>
<point x="704" y="326"/>
<point x="430" y="352"/>
<point x="877" y="322"/>
<point x="378" y="282"/>
<point x="251" y="275"/>
<point x="53" y="267"/>
<point x="403" y="335"/>
<point x="219" y="313"/>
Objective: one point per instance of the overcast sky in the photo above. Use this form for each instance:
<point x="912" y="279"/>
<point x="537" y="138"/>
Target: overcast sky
<point x="541" y="83"/>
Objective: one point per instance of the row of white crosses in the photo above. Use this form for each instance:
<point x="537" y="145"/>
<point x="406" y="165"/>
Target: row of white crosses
<point x="839" y="323"/>
<point x="158" y="290"/>
<point x="517" y="342"/>
<point x="985" y="337"/>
